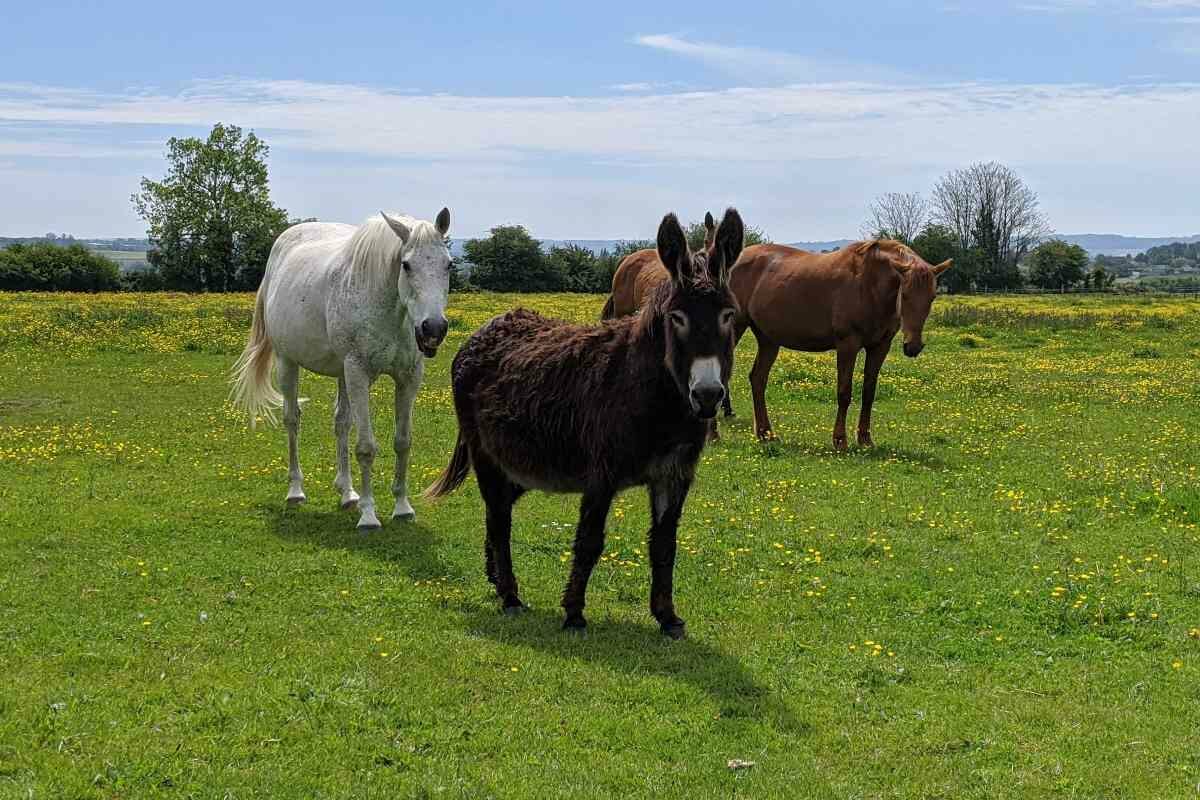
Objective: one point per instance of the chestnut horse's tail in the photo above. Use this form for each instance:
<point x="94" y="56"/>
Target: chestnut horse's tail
<point x="455" y="473"/>
<point x="609" y="310"/>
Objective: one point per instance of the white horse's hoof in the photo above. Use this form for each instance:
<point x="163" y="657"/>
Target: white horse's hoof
<point x="350" y="500"/>
<point x="404" y="511"/>
<point x="296" y="499"/>
<point x="368" y="521"/>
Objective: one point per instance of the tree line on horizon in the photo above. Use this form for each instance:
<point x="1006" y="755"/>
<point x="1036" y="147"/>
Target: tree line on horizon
<point x="211" y="224"/>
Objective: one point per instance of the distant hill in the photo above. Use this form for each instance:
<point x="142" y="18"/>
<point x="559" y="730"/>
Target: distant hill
<point x="1114" y="244"/>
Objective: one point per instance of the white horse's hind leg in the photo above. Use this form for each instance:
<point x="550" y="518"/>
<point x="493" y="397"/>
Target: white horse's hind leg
<point x="289" y="387"/>
<point x="344" y="483"/>
<point x="406" y="392"/>
<point x="358" y="386"/>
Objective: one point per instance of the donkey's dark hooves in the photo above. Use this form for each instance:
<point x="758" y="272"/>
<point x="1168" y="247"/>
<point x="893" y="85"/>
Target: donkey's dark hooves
<point x="576" y="627"/>
<point x="676" y="630"/>
<point x="730" y="414"/>
<point x="515" y="611"/>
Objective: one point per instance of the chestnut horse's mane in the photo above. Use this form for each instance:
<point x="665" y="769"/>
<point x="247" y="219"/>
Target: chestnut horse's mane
<point x="901" y="254"/>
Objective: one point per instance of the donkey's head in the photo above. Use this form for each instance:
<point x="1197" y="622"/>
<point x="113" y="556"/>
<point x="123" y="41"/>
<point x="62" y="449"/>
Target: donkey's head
<point x="918" y="288"/>
<point x="697" y="311"/>
<point x="424" y="277"/>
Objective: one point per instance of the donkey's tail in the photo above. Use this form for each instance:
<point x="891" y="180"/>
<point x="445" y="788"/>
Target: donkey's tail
<point x="455" y="473"/>
<point x="608" y="312"/>
<point x="253" y="390"/>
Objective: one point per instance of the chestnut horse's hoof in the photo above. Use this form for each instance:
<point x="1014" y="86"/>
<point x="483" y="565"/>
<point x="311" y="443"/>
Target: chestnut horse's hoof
<point x="766" y="435"/>
<point x="864" y="440"/>
<point x="674" y="630"/>
<point x="839" y="443"/>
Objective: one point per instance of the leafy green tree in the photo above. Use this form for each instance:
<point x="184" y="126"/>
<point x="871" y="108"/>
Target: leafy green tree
<point x="510" y="260"/>
<point x="47" y="267"/>
<point x="1099" y="278"/>
<point x="211" y="222"/>
<point x="696" y="231"/>
<point x="935" y="244"/>
<point x="1056" y="265"/>
<point x="577" y="269"/>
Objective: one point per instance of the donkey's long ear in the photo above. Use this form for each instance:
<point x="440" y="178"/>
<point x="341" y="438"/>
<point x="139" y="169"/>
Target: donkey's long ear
<point x="673" y="249"/>
<point x="942" y="267"/>
<point x="710" y="229"/>
<point x="728" y="243"/>
<point x="396" y="225"/>
<point x="442" y="223"/>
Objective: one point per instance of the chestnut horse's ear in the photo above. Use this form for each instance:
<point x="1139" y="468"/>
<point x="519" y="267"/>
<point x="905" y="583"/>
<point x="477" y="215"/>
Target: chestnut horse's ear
<point x="942" y="267"/>
<point x="728" y="243"/>
<point x="710" y="229"/>
<point x="673" y="249"/>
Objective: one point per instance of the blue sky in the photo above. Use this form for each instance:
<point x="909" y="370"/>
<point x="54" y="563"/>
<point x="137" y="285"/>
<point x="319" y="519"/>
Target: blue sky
<point x="593" y="119"/>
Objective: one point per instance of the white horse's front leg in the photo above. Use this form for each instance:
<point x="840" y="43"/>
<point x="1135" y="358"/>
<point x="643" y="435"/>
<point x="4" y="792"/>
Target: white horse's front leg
<point x="406" y="393"/>
<point x="358" y="386"/>
<point x="342" y="419"/>
<point x="289" y="387"/>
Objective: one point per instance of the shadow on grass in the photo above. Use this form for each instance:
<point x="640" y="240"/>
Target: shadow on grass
<point x="412" y="546"/>
<point x="640" y="651"/>
<point x="880" y="452"/>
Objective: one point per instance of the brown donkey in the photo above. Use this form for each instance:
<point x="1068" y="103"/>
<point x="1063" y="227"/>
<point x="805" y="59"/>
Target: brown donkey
<point x="852" y="299"/>
<point x="637" y="279"/>
<point x="594" y="409"/>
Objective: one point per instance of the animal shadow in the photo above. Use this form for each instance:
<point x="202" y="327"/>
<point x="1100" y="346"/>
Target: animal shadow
<point x="640" y="650"/>
<point x="413" y="547"/>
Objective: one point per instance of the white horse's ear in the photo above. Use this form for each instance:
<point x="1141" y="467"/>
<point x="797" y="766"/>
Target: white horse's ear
<point x="443" y="221"/>
<point x="399" y="227"/>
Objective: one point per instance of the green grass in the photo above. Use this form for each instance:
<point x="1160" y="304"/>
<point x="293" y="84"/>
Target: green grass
<point x="1022" y="545"/>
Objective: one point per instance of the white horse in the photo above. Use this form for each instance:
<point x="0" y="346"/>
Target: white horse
<point x="353" y="304"/>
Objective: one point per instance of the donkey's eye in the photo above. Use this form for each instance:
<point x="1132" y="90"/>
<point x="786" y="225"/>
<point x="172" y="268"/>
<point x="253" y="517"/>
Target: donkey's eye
<point x="679" y="319"/>
<point x="726" y="318"/>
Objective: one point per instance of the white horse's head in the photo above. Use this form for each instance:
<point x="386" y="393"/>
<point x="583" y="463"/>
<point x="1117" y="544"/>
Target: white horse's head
<point x="424" y="276"/>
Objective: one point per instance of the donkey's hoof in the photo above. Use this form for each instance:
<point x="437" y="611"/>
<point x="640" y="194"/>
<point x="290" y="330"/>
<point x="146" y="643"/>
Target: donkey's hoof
<point x="674" y="630"/>
<point x="729" y="414"/>
<point x="296" y="499"/>
<point x="576" y="626"/>
<point x="515" y="611"/>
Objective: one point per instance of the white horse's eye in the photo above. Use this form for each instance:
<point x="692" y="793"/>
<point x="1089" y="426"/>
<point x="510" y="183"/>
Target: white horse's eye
<point x="407" y="266"/>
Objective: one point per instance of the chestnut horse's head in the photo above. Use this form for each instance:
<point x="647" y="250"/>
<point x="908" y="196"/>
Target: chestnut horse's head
<point x="918" y="288"/>
<point x="696" y="310"/>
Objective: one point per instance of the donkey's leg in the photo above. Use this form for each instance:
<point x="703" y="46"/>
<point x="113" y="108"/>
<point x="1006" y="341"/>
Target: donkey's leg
<point x="847" y="355"/>
<point x="499" y="494"/>
<point x="342" y="417"/>
<point x="875" y="357"/>
<point x="406" y="392"/>
<point x="767" y="353"/>
<point x="358" y="387"/>
<point x="589" y="544"/>
<point x="289" y="387"/>
<point x="666" y="506"/>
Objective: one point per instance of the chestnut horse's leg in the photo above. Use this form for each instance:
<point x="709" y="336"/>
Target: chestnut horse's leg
<point x="847" y="355"/>
<point x="666" y="506"/>
<point x="767" y="353"/>
<point x="875" y="357"/>
<point x="499" y="494"/>
<point x="589" y="545"/>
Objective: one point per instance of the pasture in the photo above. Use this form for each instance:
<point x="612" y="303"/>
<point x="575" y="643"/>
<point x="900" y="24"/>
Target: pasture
<point x="1002" y="599"/>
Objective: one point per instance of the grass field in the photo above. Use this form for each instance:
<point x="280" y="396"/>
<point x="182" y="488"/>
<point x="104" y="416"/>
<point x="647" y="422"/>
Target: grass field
<point x="1000" y="600"/>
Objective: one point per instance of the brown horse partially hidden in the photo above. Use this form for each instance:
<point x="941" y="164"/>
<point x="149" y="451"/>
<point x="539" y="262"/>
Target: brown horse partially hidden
<point x="853" y="299"/>
<point x="594" y="409"/>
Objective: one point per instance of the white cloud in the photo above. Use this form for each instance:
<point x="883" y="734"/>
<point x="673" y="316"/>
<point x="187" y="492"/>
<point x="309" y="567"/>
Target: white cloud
<point x="805" y="155"/>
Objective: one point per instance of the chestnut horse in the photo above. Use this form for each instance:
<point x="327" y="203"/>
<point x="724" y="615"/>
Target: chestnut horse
<point x="852" y="299"/>
<point x="594" y="409"/>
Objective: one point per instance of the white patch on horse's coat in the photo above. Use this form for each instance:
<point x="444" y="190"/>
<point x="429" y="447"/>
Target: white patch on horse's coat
<point x="706" y="370"/>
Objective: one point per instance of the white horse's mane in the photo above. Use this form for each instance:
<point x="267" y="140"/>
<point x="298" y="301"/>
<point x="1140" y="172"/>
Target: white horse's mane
<point x="375" y="247"/>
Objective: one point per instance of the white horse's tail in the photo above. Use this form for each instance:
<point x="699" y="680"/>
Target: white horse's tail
<point x="253" y="389"/>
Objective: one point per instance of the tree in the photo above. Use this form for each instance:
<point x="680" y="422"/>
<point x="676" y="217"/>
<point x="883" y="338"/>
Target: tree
<point x="510" y="260"/>
<point x="989" y="208"/>
<point x="577" y="269"/>
<point x="935" y="244"/>
<point x="1099" y="278"/>
<point x="1056" y="265"/>
<point x="696" y="232"/>
<point x="47" y="267"/>
<point x="211" y="222"/>
<point x="897" y="215"/>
